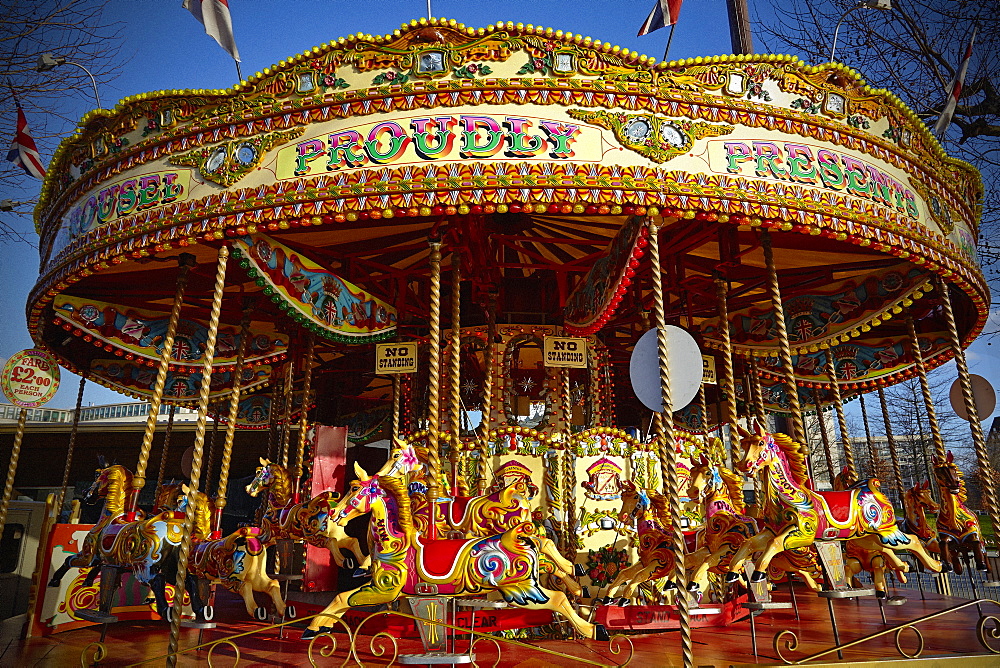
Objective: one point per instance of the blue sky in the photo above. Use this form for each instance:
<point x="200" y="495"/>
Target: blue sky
<point x="166" y="48"/>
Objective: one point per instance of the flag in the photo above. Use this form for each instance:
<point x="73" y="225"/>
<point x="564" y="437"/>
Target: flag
<point x="23" y="151"/>
<point x="214" y="15"/>
<point x="665" y="13"/>
<point x="955" y="89"/>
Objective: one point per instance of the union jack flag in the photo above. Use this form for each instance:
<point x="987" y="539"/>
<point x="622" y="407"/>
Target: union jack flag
<point x="664" y="13"/>
<point x="23" y="151"/>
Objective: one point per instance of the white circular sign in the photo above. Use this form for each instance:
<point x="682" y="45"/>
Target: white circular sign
<point x="30" y="378"/>
<point x="684" y="370"/>
<point x="982" y="393"/>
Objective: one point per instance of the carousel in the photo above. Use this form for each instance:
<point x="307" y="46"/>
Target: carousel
<point x="452" y="239"/>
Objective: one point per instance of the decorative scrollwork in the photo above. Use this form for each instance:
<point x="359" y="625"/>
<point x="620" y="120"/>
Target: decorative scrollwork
<point x="984" y="633"/>
<point x="326" y="651"/>
<point x="496" y="644"/>
<point x="920" y="642"/>
<point x="791" y="644"/>
<point x="615" y="646"/>
<point x="211" y="648"/>
<point x="93" y="657"/>
<point x="377" y="649"/>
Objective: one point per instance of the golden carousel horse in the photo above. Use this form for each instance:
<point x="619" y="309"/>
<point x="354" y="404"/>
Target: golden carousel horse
<point x="404" y="562"/>
<point x="649" y="511"/>
<point x="727" y="527"/>
<point x="237" y="562"/>
<point x="958" y="528"/>
<point x="308" y="521"/>
<point x="495" y="512"/>
<point x="797" y="516"/>
<point x="147" y="547"/>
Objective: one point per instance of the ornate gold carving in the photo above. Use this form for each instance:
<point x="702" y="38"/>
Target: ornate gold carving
<point x="229" y="162"/>
<point x="653" y="137"/>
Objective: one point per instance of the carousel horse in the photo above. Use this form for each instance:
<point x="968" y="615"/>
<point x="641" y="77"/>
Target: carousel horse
<point x="727" y="527"/>
<point x="501" y="509"/>
<point x="308" y="521"/>
<point x="861" y="554"/>
<point x="797" y="516"/>
<point x="958" y="528"/>
<point x="112" y="483"/>
<point x="916" y="502"/>
<point x="147" y="547"/>
<point x="403" y="562"/>
<point x="654" y="528"/>
<point x="237" y="561"/>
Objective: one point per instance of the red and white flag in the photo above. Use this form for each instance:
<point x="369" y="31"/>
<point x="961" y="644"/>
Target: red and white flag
<point x="955" y="89"/>
<point x="23" y="151"/>
<point x="665" y="13"/>
<point x="214" y="15"/>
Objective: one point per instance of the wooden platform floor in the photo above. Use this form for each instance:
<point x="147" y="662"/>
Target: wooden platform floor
<point x="133" y="642"/>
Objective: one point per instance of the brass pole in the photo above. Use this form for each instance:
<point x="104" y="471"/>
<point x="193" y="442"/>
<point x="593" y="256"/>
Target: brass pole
<point x="234" y="409"/>
<point x="893" y="454"/>
<point x="668" y="447"/>
<point x="304" y="415"/>
<point x="61" y="498"/>
<point x="758" y="393"/>
<point x="824" y="435"/>
<point x="484" y="426"/>
<point x="784" y="350"/>
<point x="727" y="379"/>
<point x="15" y="454"/>
<point x="211" y="448"/>
<point x="185" y="262"/>
<point x="434" y="391"/>
<point x="199" y="445"/>
<point x="965" y="380"/>
<point x="272" y="421"/>
<point x="166" y="448"/>
<point x="396" y="389"/>
<point x="459" y="486"/>
<point x="286" y="422"/>
<point x="838" y="405"/>
<point x="872" y="455"/>
<point x="925" y="389"/>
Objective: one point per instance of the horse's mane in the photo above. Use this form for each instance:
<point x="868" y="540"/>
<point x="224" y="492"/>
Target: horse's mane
<point x="734" y="486"/>
<point x="281" y="488"/>
<point x="796" y="454"/>
<point x="661" y="507"/>
<point x="397" y="488"/>
<point x="963" y="494"/>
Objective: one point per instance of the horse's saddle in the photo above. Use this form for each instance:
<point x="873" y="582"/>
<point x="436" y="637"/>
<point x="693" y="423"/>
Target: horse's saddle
<point x="840" y="504"/>
<point x="439" y="556"/>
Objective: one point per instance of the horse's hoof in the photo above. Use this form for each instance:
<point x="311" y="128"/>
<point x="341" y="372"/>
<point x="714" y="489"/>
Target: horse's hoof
<point x="309" y="634"/>
<point x="585" y="592"/>
<point x="880" y="594"/>
<point x="731" y="578"/>
<point x="53" y="582"/>
<point x="694" y="587"/>
<point x="361" y="573"/>
<point x="946" y="568"/>
<point x="758" y="576"/>
<point x="622" y="602"/>
<point x="601" y="633"/>
<point x="579" y="570"/>
<point x="669" y="585"/>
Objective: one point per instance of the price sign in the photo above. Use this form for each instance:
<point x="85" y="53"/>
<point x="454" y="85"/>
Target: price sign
<point x="30" y="378"/>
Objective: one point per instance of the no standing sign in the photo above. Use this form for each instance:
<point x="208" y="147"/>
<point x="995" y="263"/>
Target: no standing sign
<point x="30" y="378"/>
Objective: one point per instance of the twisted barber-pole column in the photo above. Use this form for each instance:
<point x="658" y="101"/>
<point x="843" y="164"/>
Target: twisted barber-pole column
<point x="185" y="261"/>
<point x="838" y="404"/>
<point x="434" y="389"/>
<point x="484" y="426"/>
<point x="286" y="421"/>
<point x="965" y="380"/>
<point x="925" y="389"/>
<point x="459" y="486"/>
<point x="728" y="379"/>
<point x="668" y="447"/>
<point x="784" y="350"/>
<point x="304" y="416"/>
<point x="199" y="446"/>
<point x="61" y="498"/>
<point x="167" y="433"/>
<point x="15" y="454"/>
<point x="234" y="409"/>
